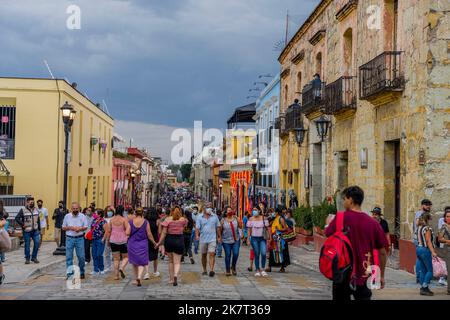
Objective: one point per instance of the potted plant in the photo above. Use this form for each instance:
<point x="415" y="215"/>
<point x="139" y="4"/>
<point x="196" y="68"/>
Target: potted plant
<point x="320" y="214"/>
<point x="303" y="218"/>
<point x="94" y="142"/>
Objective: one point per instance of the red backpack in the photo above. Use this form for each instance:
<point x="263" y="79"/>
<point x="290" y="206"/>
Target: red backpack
<point x="336" y="256"/>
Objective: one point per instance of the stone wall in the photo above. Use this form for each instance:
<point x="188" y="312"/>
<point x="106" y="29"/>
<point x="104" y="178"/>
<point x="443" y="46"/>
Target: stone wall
<point x="417" y="119"/>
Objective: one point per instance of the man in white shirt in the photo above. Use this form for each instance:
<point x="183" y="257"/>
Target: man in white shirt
<point x="75" y="224"/>
<point x="43" y="217"/>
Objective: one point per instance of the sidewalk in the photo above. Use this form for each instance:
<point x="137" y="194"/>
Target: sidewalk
<point x="16" y="270"/>
<point x="400" y="285"/>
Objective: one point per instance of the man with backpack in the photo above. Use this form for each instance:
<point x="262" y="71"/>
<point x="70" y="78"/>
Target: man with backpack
<point x="356" y="244"/>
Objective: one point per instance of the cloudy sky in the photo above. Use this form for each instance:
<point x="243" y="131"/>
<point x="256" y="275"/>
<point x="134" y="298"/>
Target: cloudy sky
<point x="158" y="64"/>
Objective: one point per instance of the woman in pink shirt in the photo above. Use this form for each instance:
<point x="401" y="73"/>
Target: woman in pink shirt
<point x="173" y="239"/>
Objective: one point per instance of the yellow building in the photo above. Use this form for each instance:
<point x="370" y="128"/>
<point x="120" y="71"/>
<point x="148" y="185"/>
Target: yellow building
<point x="32" y="143"/>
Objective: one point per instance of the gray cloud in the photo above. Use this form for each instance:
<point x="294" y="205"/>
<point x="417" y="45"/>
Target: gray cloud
<point x="161" y="62"/>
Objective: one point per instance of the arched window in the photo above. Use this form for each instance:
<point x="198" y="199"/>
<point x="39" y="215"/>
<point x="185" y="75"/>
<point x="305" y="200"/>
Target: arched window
<point x="286" y="95"/>
<point x="299" y="82"/>
<point x="348" y="52"/>
<point x="319" y="64"/>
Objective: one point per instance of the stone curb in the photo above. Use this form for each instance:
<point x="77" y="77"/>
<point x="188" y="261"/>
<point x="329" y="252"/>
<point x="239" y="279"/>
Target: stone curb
<point x="45" y="268"/>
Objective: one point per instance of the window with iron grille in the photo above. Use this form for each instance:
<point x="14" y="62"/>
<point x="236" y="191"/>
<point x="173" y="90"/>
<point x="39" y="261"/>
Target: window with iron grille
<point x="7" y="131"/>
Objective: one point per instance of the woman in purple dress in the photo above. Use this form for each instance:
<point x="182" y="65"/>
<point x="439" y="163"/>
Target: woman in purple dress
<point x="138" y="244"/>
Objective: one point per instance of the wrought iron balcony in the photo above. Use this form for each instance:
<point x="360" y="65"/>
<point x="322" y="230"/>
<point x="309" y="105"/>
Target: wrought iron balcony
<point x="312" y="97"/>
<point x="340" y="95"/>
<point x="293" y="118"/>
<point x="280" y="124"/>
<point x="7" y="147"/>
<point x="382" y="74"/>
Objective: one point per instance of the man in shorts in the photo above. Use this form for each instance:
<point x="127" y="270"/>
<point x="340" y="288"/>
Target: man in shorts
<point x="206" y="230"/>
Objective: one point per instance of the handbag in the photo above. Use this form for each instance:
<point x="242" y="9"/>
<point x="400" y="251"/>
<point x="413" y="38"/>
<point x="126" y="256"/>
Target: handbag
<point x="5" y="241"/>
<point x="266" y="234"/>
<point x="439" y="268"/>
<point x="289" y="235"/>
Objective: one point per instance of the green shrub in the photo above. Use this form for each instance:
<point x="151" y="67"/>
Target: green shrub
<point x="303" y="217"/>
<point x="321" y="212"/>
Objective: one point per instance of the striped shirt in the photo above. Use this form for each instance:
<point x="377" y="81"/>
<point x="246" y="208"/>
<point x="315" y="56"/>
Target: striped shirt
<point x="421" y="238"/>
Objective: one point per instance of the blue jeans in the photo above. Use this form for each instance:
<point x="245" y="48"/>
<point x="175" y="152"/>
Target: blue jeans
<point x="417" y="263"/>
<point x="27" y="236"/>
<point x="196" y="242"/>
<point x="259" y="245"/>
<point x="231" y="248"/>
<point x="78" y="245"/>
<point x="219" y="249"/>
<point x="2" y="257"/>
<point x="97" y="254"/>
<point x="426" y="265"/>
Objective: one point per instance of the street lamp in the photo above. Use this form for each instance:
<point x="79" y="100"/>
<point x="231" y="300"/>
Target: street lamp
<point x="254" y="162"/>
<point x="220" y="195"/>
<point x="300" y="134"/>
<point x="68" y="116"/>
<point x="322" y="125"/>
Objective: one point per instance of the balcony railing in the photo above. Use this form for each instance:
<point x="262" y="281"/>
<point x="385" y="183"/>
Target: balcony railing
<point x="312" y="97"/>
<point x="293" y="118"/>
<point x="7" y="147"/>
<point x="340" y="95"/>
<point x="384" y="73"/>
<point x="280" y="124"/>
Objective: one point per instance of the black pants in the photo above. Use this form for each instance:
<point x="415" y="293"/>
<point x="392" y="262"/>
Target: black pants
<point x="87" y="250"/>
<point x="343" y="292"/>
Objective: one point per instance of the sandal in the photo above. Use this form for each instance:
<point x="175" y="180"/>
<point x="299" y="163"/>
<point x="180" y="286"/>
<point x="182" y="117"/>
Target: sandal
<point x="139" y="283"/>
<point x="122" y="274"/>
<point x="282" y="270"/>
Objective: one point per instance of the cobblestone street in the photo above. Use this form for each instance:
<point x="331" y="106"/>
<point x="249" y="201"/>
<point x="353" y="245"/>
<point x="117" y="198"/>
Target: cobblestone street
<point x="298" y="283"/>
<point x="302" y="281"/>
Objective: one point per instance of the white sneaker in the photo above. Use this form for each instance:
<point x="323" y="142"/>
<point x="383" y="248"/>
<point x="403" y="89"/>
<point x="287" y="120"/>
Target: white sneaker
<point x="93" y="273"/>
<point x="106" y="270"/>
<point x="102" y="272"/>
<point x="146" y="276"/>
<point x="258" y="274"/>
<point x="442" y="281"/>
<point x="156" y="274"/>
<point x="264" y="274"/>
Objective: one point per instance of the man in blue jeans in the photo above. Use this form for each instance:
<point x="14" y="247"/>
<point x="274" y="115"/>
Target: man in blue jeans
<point x="28" y="219"/>
<point x="426" y="208"/>
<point x="75" y="224"/>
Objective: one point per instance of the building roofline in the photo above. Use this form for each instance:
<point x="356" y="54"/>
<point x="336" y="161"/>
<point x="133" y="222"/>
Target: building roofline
<point x="64" y="80"/>
<point x="304" y="27"/>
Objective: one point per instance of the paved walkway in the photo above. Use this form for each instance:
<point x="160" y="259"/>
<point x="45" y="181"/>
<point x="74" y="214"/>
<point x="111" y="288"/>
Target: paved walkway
<point x="303" y="281"/>
<point x="16" y="270"/>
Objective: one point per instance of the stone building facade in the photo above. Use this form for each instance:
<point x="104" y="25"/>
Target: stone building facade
<point x="384" y="88"/>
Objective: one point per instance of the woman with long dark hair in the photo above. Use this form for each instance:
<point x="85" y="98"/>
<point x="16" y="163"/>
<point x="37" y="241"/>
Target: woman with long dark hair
<point x="187" y="233"/>
<point x="279" y="253"/>
<point x="118" y="230"/>
<point x="152" y="217"/>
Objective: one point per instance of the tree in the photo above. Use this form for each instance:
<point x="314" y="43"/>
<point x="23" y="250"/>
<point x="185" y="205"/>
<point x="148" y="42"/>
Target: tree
<point x="186" y="171"/>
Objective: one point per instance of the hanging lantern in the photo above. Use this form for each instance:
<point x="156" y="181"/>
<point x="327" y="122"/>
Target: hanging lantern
<point x="322" y="125"/>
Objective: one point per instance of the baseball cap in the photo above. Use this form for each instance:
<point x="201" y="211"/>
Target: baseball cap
<point x="377" y="210"/>
<point x="426" y="202"/>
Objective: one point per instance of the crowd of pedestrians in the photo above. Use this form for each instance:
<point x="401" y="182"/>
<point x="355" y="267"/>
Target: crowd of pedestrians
<point x="182" y="226"/>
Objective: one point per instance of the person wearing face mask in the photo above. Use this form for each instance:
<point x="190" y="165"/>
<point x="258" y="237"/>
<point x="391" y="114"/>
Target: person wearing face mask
<point x="87" y="243"/>
<point x="58" y="216"/>
<point x="229" y="230"/>
<point x="75" y="224"/>
<point x="99" y="236"/>
<point x="257" y="229"/>
<point x="207" y="231"/>
<point x="28" y="219"/>
<point x="426" y="206"/>
<point x="43" y="217"/>
<point x="109" y="211"/>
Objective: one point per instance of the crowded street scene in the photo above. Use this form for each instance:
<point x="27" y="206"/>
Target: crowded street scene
<point x="200" y="150"/>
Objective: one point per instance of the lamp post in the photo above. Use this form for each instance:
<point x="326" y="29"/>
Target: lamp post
<point x="133" y="192"/>
<point x="300" y="134"/>
<point x="68" y="115"/>
<point x="220" y="195"/>
<point x="322" y="125"/>
<point x="254" y="162"/>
